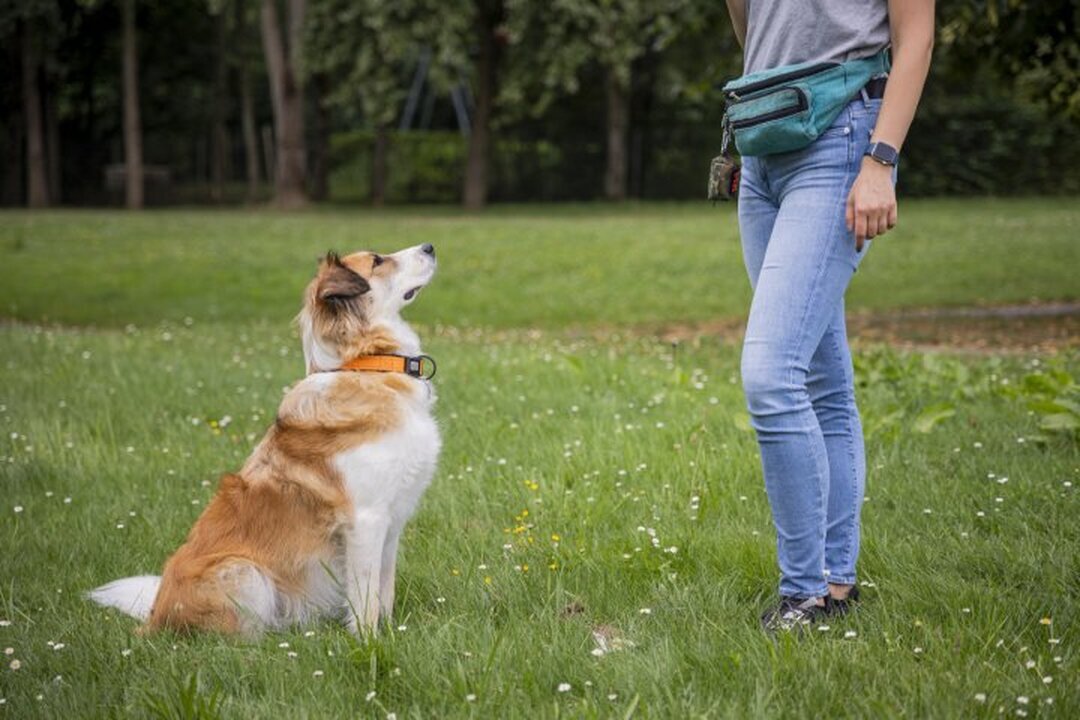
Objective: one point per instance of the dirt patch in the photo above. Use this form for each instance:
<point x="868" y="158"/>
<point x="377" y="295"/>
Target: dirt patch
<point x="1045" y="327"/>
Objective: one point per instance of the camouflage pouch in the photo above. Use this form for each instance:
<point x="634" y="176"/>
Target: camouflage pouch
<point x="724" y="172"/>
<point x="723" y="179"/>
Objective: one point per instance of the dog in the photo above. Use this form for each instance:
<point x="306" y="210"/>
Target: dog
<point x="309" y="527"/>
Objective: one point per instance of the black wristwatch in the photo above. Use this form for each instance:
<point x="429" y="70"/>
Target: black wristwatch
<point x="884" y="153"/>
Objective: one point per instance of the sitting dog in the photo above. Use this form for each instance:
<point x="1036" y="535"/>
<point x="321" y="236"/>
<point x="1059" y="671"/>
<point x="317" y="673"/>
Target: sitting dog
<point x="310" y="525"/>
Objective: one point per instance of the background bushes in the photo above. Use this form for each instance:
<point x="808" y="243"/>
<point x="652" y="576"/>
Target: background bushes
<point x="975" y="144"/>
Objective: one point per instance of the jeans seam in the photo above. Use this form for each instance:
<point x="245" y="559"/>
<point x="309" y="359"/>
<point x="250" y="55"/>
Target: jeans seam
<point x="849" y="381"/>
<point x="822" y="496"/>
<point x="849" y="387"/>
<point x="853" y="523"/>
<point x="819" y="272"/>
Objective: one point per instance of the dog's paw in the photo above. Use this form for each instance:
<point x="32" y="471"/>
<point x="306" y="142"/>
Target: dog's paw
<point x="360" y="627"/>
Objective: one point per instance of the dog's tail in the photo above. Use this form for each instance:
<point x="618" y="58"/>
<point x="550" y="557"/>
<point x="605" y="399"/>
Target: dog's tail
<point x="133" y="595"/>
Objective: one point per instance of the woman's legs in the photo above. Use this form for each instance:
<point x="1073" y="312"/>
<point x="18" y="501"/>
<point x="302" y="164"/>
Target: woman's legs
<point x="795" y="365"/>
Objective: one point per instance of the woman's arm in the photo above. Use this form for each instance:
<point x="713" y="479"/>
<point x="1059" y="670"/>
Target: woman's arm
<point x="871" y="206"/>
<point x="737" y="10"/>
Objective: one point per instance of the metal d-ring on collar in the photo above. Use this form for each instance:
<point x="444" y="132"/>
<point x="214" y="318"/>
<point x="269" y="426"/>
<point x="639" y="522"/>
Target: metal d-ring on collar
<point x="414" y="366"/>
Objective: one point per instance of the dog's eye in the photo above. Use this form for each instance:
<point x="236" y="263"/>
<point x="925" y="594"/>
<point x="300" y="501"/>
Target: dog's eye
<point x="376" y="260"/>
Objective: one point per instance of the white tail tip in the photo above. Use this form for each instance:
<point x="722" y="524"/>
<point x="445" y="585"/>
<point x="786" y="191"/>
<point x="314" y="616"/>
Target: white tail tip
<point x="133" y="595"/>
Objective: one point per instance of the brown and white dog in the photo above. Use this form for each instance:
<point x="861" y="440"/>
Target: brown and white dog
<point x="309" y="526"/>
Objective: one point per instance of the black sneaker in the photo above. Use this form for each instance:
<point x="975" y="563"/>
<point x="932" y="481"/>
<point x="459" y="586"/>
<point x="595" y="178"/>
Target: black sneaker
<point x="792" y="613"/>
<point x="842" y="607"/>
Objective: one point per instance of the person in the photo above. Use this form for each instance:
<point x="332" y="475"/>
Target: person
<point x="805" y="219"/>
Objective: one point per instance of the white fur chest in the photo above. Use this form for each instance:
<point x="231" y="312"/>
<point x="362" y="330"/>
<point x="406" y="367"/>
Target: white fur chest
<point x="388" y="475"/>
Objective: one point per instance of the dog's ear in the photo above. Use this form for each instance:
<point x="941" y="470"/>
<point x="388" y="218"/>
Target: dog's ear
<point x="337" y="283"/>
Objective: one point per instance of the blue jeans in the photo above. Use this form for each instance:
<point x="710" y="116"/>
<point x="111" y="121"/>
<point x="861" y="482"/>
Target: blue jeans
<point x="796" y="366"/>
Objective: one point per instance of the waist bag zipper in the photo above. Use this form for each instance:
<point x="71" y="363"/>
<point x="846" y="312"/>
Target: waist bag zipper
<point x="775" y="114"/>
<point x="753" y="87"/>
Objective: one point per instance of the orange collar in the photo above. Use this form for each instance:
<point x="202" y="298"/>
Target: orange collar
<point x="412" y="366"/>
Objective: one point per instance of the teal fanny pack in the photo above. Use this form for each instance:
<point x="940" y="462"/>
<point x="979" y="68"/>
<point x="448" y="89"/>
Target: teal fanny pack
<point x="787" y="108"/>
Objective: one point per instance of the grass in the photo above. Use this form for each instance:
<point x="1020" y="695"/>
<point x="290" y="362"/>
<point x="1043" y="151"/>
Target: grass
<point x="113" y="432"/>
<point x="517" y="267"/>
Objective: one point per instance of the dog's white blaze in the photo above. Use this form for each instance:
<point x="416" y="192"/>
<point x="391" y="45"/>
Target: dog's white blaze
<point x="385" y="480"/>
<point x="388" y="475"/>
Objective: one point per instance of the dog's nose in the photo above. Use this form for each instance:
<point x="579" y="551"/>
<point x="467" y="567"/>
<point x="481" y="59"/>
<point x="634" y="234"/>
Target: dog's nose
<point x="428" y="248"/>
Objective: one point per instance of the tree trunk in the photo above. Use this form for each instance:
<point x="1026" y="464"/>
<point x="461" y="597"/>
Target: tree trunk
<point x="52" y="145"/>
<point x="247" y="105"/>
<point x="288" y="101"/>
<point x="11" y="157"/>
<point x="251" y="142"/>
<point x="618" y="115"/>
<point x="268" y="151"/>
<point x="219" y="138"/>
<point x="37" y="191"/>
<point x="133" y="161"/>
<point x="379" y="165"/>
<point x="642" y="101"/>
<point x="320" y="153"/>
<point x="489" y="16"/>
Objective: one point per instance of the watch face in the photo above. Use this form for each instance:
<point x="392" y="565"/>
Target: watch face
<point x="883" y="152"/>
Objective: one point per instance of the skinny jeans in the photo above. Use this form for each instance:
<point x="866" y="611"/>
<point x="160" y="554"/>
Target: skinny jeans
<point x="796" y="366"/>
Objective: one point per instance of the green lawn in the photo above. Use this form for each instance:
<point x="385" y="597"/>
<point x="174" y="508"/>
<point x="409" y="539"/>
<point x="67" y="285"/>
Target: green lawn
<point x="511" y="267"/>
<point x="113" y="434"/>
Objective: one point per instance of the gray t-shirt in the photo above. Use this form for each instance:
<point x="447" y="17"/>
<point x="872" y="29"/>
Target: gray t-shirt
<point x="787" y="32"/>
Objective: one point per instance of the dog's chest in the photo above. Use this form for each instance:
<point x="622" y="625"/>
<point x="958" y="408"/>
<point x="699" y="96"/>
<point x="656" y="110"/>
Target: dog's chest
<point x="390" y="473"/>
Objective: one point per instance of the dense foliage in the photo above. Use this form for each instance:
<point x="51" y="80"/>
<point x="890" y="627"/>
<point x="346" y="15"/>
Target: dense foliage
<point x="591" y="98"/>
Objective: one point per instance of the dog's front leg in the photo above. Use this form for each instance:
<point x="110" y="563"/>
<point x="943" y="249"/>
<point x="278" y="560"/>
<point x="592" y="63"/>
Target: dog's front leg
<point x="363" y="563"/>
<point x="388" y="573"/>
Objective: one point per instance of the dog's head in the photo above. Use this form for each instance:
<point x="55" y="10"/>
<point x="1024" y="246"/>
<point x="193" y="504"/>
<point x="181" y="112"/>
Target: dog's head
<point x="353" y="305"/>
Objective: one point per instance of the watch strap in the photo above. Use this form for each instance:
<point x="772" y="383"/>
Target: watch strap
<point x="883" y="153"/>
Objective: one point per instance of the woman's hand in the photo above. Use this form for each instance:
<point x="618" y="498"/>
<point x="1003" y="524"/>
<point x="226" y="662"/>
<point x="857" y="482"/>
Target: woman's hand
<point x="871" y="204"/>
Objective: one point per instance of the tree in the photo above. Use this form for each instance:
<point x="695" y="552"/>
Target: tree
<point x="244" y="58"/>
<point x="37" y="191"/>
<point x="320" y="147"/>
<point x="491" y="37"/>
<point x="133" y="160"/>
<point x="362" y="46"/>
<point x="366" y="50"/>
<point x="1033" y="44"/>
<point x="287" y="93"/>
<point x="251" y="142"/>
<point x="31" y="28"/>
<point x="613" y="34"/>
<point x="52" y="139"/>
<point x="219" y="136"/>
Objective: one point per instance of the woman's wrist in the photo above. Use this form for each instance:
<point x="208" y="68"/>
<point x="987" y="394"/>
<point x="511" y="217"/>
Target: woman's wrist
<point x="875" y="167"/>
